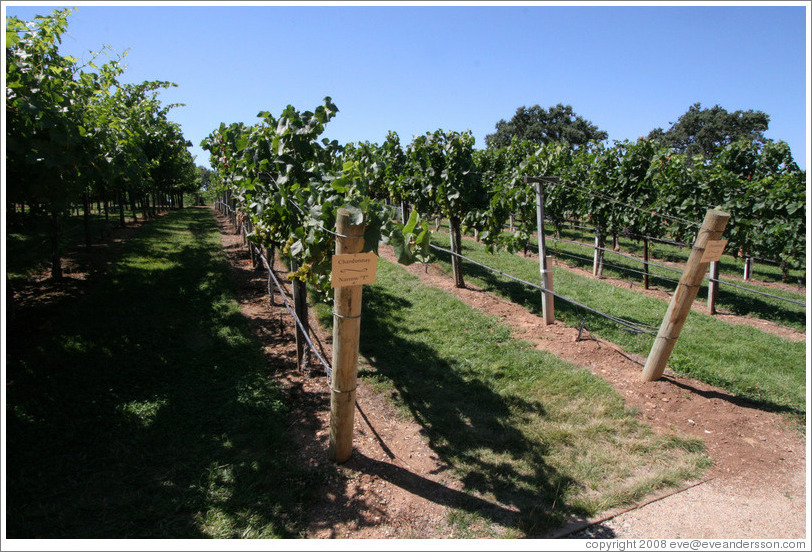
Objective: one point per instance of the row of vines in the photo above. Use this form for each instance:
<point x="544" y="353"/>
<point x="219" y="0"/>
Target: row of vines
<point x="76" y="134"/>
<point x="288" y="182"/>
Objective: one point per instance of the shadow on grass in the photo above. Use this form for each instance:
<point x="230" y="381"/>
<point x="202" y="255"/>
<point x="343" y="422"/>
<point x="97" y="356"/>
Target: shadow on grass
<point x="146" y="409"/>
<point x="471" y="427"/>
<point x="739" y="302"/>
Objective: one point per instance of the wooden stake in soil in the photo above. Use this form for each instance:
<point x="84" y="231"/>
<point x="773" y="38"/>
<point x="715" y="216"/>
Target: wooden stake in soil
<point x="547" y="308"/>
<point x="712" y="228"/>
<point x="713" y="286"/>
<point x="346" y="335"/>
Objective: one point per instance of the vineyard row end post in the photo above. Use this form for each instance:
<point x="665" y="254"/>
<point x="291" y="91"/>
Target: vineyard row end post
<point x="687" y="289"/>
<point x="346" y="337"/>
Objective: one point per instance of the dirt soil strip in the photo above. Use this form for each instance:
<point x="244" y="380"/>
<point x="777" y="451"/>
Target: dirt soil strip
<point x="395" y="486"/>
<point x="758" y="488"/>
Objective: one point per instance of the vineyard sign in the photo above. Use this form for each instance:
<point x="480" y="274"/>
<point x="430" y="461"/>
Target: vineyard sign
<point x="354" y="270"/>
<point x="713" y="251"/>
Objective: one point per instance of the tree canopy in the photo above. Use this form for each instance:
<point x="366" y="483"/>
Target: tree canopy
<point x="74" y="132"/>
<point x="705" y="131"/>
<point x="541" y="126"/>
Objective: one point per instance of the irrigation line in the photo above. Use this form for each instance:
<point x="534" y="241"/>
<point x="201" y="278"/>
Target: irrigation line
<point x="327" y="368"/>
<point x="723" y="282"/>
<point x="633" y="328"/>
<point x="756" y="291"/>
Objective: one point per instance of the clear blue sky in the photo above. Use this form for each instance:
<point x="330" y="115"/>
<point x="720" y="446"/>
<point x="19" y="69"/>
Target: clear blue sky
<point x="414" y="69"/>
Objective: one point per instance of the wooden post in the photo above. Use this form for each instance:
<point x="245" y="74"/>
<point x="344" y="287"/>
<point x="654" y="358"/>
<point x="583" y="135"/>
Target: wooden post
<point x="346" y="335"/>
<point x="455" y="231"/>
<point x="547" y="311"/>
<point x="712" y="228"/>
<point x="713" y="286"/>
<point x="645" y="263"/>
<point x="300" y="308"/>
<point x="549" y="315"/>
<point x="597" y="262"/>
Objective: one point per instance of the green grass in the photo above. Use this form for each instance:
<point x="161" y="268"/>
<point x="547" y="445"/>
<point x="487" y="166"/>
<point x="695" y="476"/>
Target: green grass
<point x="730" y="299"/>
<point x="147" y="410"/>
<point x="729" y="267"/>
<point x="520" y="427"/>
<point x="755" y="365"/>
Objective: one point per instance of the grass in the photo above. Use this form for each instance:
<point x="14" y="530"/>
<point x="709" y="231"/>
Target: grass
<point x="760" y="367"/>
<point x="729" y="266"/>
<point x="520" y="427"/>
<point x="734" y="300"/>
<point x="147" y="410"/>
<point x="28" y="242"/>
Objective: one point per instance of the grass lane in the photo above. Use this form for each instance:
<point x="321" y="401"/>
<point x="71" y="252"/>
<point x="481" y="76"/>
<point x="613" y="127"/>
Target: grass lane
<point x="758" y="366"/>
<point x="147" y="409"/>
<point x="518" y="425"/>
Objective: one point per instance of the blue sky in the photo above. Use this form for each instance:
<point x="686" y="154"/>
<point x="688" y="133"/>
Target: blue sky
<point x="416" y="68"/>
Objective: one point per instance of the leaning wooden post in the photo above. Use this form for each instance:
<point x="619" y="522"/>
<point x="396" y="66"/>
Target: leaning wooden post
<point x="346" y="335"/>
<point x="687" y="289"/>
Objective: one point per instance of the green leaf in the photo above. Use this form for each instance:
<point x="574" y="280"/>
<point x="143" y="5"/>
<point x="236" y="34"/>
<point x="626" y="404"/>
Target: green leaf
<point x="411" y="223"/>
<point x="400" y="247"/>
<point x="372" y="237"/>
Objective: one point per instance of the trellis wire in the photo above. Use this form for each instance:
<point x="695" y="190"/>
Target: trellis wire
<point x="620" y="267"/>
<point x="327" y="368"/>
<point x="616" y="253"/>
<point x="633" y="328"/>
<point x="629" y="205"/>
<point x="757" y="292"/>
<point x="723" y="282"/>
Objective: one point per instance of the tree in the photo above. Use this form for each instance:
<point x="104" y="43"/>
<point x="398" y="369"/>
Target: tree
<point x="542" y="126"/>
<point x="706" y="131"/>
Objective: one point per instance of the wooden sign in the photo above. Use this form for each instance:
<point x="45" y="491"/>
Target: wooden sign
<point x="713" y="251"/>
<point x="354" y="270"/>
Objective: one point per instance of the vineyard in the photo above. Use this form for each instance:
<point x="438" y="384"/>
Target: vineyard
<point x="439" y="201"/>
<point x="516" y="294"/>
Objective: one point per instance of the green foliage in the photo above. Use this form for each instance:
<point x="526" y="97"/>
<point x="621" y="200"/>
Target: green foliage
<point x="707" y="131"/>
<point x="289" y="183"/>
<point x="76" y="131"/>
<point x="442" y="176"/>
<point x="559" y="123"/>
<point x="645" y="189"/>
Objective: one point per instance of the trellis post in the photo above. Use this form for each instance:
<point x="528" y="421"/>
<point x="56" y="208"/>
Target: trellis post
<point x="547" y="309"/>
<point x="687" y="289"/>
<point x="346" y="335"/>
<point x="713" y="286"/>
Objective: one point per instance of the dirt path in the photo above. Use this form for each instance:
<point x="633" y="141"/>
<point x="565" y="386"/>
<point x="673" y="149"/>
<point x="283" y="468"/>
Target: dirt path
<point x="395" y="486"/>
